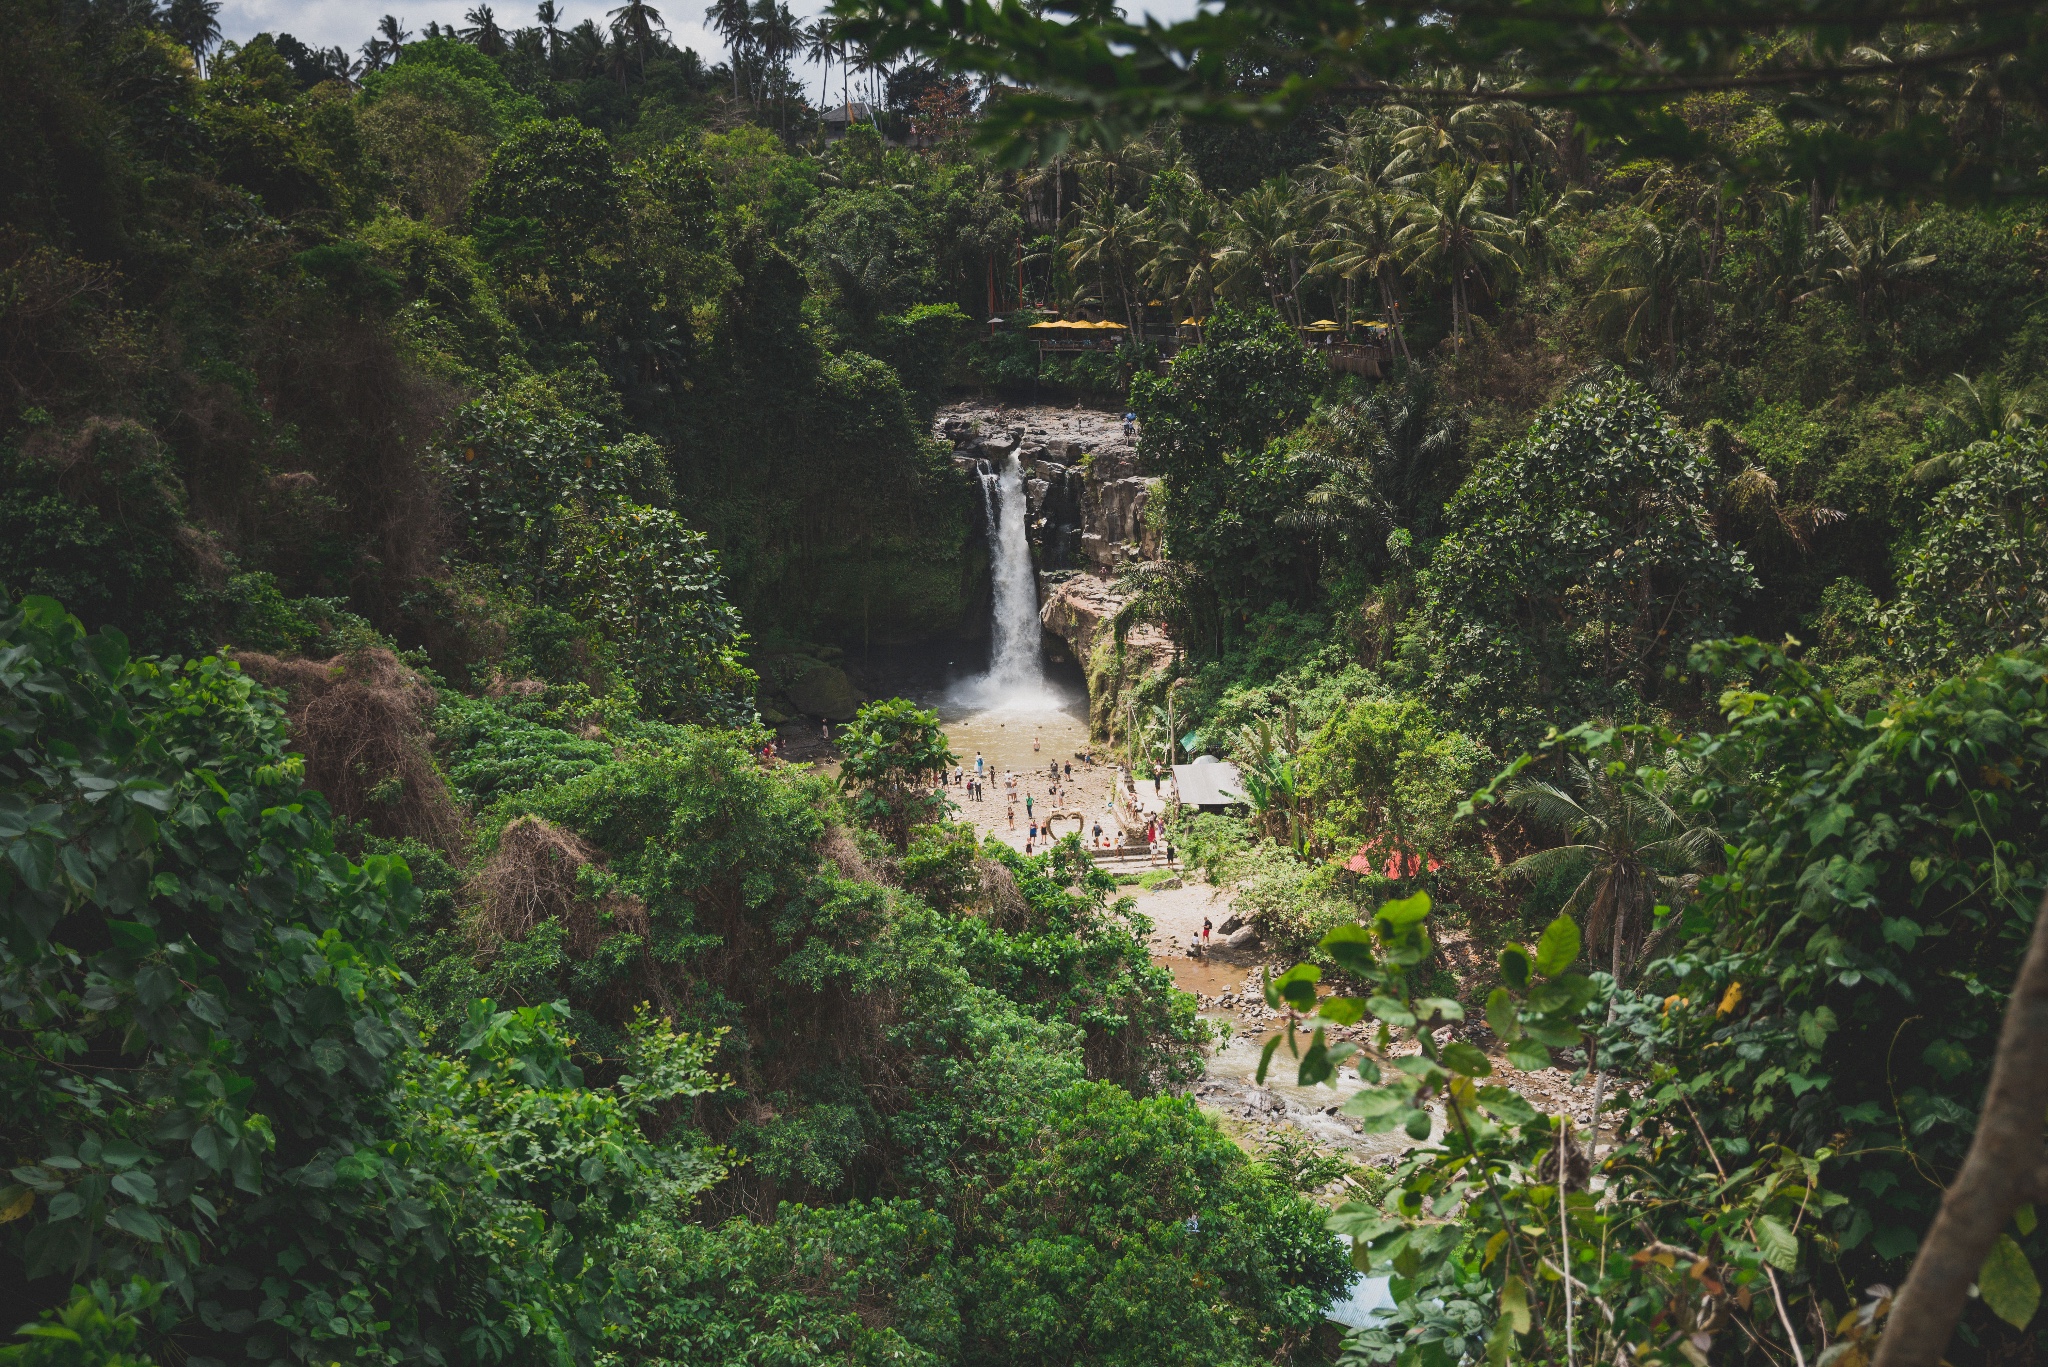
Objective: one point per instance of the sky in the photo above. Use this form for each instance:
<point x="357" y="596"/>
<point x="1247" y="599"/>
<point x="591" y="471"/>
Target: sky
<point x="347" y="23"/>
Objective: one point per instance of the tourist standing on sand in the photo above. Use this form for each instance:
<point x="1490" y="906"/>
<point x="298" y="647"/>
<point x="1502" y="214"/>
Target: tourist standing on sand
<point x="1027" y="804"/>
<point x="978" y="764"/>
<point x="1205" y="932"/>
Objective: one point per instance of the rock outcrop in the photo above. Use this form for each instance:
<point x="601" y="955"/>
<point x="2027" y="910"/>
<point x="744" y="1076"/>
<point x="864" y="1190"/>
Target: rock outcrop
<point x="1085" y="494"/>
<point x="1080" y="609"/>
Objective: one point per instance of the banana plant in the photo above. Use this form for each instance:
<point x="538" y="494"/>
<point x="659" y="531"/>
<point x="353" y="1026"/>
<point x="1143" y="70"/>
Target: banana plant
<point x="1271" y="777"/>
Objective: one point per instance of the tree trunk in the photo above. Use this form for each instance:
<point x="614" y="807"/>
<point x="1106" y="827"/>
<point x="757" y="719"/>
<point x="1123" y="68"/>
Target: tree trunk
<point x="2005" y="1169"/>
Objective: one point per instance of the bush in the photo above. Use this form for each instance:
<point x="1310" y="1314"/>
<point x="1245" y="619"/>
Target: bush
<point x="205" y="1072"/>
<point x="1578" y="564"/>
<point x="1978" y="579"/>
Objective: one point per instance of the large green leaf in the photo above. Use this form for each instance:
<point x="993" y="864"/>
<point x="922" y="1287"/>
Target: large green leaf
<point x="1404" y="911"/>
<point x="1778" y="1244"/>
<point x="1500" y="1016"/>
<point x="2008" y="1284"/>
<point x="1297" y="986"/>
<point x="1466" y="1059"/>
<point x="1350" y="947"/>
<point x="1559" y="947"/>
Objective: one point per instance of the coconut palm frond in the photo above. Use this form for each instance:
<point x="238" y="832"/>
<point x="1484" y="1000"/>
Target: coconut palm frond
<point x="1548" y="803"/>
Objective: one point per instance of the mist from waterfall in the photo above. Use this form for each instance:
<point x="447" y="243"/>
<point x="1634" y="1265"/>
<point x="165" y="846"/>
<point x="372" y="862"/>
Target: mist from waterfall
<point x="1016" y="675"/>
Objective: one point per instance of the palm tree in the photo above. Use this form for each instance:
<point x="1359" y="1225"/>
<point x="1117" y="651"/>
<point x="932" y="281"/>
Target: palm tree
<point x="195" y="23"/>
<point x="549" y="16"/>
<point x="638" y="21"/>
<point x="863" y="60"/>
<point x="1452" y="235"/>
<point x="1632" y="847"/>
<point x="1264" y="240"/>
<point x="1363" y="242"/>
<point x="1652" y="282"/>
<point x="1980" y="411"/>
<point x="823" y="45"/>
<point x="1522" y="144"/>
<point x="734" y="22"/>
<point x="1537" y="231"/>
<point x="393" y="31"/>
<point x="778" y="34"/>
<point x="618" y="58"/>
<point x="483" y="32"/>
<point x="376" y="55"/>
<point x="1178" y="243"/>
<point x="586" y="49"/>
<point x="1872" y="271"/>
<point x="1629" y="844"/>
<point x="1272" y="781"/>
<point x="1444" y="129"/>
<point x="1106" y="238"/>
<point x="1382" y="463"/>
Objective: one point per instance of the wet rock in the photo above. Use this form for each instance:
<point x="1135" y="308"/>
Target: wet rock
<point x="1230" y="924"/>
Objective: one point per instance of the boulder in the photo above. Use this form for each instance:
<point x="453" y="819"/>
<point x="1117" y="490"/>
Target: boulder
<point x="1242" y="938"/>
<point x="825" y="691"/>
<point x="1230" y="925"/>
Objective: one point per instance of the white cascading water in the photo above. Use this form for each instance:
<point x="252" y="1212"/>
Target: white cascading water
<point x="1015" y="675"/>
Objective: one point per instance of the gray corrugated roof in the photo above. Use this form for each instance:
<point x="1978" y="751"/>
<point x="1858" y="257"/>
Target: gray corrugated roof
<point x="1207" y="785"/>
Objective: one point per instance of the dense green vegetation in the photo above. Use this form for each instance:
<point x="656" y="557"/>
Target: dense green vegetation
<point x="419" y="477"/>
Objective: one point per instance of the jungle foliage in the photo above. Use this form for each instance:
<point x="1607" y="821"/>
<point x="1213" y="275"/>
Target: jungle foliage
<point x="419" y="473"/>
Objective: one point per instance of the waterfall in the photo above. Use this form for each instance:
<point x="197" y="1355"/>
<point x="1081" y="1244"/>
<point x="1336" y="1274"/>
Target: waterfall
<point x="1014" y="672"/>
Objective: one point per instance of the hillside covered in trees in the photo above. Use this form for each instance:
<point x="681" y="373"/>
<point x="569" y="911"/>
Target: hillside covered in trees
<point x="427" y="472"/>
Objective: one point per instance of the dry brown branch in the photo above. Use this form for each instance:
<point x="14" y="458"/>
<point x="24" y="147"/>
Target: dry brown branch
<point x="839" y="849"/>
<point x="1002" y="899"/>
<point x="361" y="722"/>
<point x="533" y="877"/>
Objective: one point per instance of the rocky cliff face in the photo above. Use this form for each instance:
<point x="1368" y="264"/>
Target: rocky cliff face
<point x="1080" y="609"/>
<point x="1086" y="501"/>
<point x="1086" y="496"/>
